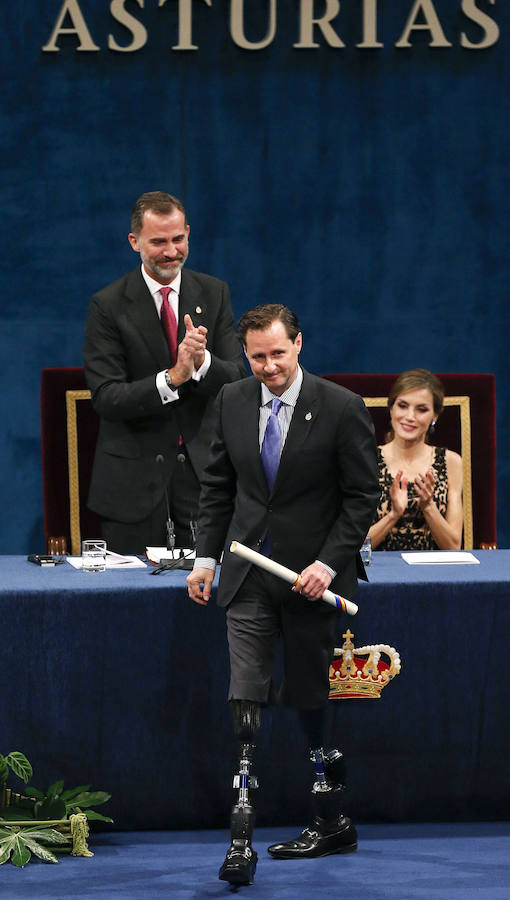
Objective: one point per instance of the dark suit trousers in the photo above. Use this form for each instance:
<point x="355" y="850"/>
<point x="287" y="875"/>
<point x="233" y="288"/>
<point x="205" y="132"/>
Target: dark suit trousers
<point x="266" y="614"/>
<point x="183" y="491"/>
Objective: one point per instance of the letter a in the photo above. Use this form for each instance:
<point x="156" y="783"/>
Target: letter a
<point x="431" y="24"/>
<point x="71" y="8"/>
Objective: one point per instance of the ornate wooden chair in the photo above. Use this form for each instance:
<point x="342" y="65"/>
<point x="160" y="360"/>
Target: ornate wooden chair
<point x="69" y="434"/>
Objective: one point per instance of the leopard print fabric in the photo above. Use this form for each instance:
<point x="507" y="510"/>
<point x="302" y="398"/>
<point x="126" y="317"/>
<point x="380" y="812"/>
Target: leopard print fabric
<point x="411" y="531"/>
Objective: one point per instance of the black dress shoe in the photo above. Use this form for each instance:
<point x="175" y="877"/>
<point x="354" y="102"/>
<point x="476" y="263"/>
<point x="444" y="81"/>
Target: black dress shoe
<point x="239" y="864"/>
<point x="321" y="839"/>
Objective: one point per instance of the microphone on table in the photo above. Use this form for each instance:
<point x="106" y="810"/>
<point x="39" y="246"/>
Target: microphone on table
<point x="170" y="535"/>
<point x="178" y="562"/>
<point x="193" y="532"/>
<point x="169" y="525"/>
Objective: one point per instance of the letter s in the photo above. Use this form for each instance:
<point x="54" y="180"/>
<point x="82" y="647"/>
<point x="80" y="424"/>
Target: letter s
<point x="491" y="29"/>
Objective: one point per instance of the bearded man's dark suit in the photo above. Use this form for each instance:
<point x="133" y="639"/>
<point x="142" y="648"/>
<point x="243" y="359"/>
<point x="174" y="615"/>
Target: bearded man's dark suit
<point x="323" y="499"/>
<point x="124" y="349"/>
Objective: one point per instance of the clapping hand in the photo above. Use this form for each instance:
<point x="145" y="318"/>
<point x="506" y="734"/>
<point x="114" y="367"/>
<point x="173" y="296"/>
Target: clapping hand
<point x="191" y="350"/>
<point x="424" y="487"/>
<point x="398" y="493"/>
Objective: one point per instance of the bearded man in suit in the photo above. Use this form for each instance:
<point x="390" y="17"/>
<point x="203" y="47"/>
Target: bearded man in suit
<point x="159" y="344"/>
<point x="309" y="507"/>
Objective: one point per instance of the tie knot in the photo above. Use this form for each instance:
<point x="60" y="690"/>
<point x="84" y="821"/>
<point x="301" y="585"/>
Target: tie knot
<point x="164" y="291"/>
<point x="275" y="406"/>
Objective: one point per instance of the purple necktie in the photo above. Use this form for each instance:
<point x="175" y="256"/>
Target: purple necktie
<point x="271" y="445"/>
<point x="169" y="323"/>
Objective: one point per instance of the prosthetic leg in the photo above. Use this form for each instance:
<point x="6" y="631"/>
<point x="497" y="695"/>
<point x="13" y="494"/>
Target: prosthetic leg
<point x="330" y="831"/>
<point x="241" y="860"/>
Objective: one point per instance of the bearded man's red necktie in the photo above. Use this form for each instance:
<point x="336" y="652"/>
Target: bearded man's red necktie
<point x="169" y="323"/>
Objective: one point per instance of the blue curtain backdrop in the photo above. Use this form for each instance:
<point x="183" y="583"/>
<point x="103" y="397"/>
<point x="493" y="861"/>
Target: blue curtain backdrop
<point x="366" y="188"/>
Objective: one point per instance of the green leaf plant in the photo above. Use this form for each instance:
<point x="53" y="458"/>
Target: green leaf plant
<point x="19" y="841"/>
<point x="18" y="844"/>
<point x="18" y="763"/>
<point x="59" y="804"/>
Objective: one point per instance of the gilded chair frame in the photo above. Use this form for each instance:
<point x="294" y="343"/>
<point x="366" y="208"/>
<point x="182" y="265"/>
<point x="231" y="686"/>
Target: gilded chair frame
<point x="72" y="398"/>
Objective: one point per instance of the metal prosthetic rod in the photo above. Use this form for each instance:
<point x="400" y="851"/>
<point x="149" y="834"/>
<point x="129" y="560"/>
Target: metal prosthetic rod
<point x="242" y="816"/>
<point x="317" y="757"/>
<point x="246" y="725"/>
<point x="330" y="777"/>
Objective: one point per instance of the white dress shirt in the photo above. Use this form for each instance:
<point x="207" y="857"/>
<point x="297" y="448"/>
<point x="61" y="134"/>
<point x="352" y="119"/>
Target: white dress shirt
<point x="167" y="395"/>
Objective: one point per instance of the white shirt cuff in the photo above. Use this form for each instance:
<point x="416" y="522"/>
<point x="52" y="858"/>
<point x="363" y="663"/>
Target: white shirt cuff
<point x="324" y="566"/>
<point x="204" y="562"/>
<point x="204" y="368"/>
<point x="167" y="396"/>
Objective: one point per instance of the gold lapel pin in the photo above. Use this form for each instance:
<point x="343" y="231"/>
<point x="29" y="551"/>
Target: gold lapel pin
<point x="308" y="416"/>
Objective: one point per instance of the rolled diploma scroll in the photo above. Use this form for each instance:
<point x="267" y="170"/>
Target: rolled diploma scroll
<point x="288" y="575"/>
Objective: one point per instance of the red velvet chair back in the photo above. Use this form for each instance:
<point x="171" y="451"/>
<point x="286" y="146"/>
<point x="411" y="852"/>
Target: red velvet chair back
<point x="76" y="421"/>
<point x="481" y="391"/>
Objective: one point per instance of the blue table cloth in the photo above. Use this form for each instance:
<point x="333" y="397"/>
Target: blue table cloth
<point x="119" y="680"/>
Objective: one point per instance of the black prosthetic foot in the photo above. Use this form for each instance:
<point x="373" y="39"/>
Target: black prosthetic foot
<point x="239" y="864"/>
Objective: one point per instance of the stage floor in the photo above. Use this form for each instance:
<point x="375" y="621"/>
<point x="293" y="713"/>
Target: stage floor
<point x="463" y="861"/>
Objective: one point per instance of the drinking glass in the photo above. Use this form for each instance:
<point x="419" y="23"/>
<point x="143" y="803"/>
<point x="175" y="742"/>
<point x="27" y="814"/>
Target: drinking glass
<point x="93" y="556"/>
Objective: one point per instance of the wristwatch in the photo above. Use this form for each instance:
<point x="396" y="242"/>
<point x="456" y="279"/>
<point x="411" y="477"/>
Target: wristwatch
<point x="168" y="380"/>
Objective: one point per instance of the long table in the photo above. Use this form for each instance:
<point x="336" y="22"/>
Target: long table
<point x="117" y="679"/>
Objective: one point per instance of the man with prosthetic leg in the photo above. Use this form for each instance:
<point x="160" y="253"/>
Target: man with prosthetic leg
<point x="330" y="831"/>
<point x="292" y="473"/>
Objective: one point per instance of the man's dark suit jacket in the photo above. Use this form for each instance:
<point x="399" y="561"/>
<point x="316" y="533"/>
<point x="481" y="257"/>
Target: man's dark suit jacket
<point x="124" y="349"/>
<point x="324" y="496"/>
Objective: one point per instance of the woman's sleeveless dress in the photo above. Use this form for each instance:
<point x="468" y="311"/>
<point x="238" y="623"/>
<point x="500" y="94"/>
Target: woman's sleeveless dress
<point x="411" y="532"/>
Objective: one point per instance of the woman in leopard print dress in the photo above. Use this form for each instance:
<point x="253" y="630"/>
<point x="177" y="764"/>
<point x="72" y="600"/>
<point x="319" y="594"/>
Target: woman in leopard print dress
<point x="420" y="507"/>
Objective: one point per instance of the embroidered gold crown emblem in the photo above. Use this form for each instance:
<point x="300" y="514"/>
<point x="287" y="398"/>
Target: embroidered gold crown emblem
<point x="361" y="672"/>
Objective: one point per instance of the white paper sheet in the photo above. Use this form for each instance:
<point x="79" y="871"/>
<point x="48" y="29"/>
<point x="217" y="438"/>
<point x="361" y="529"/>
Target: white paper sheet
<point x="113" y="562"/>
<point x="157" y="554"/>
<point x="440" y="557"/>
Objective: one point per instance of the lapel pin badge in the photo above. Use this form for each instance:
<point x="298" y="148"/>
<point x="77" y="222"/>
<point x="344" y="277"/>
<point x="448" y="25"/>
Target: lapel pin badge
<point x="308" y="416"/>
<point x="198" y="310"/>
